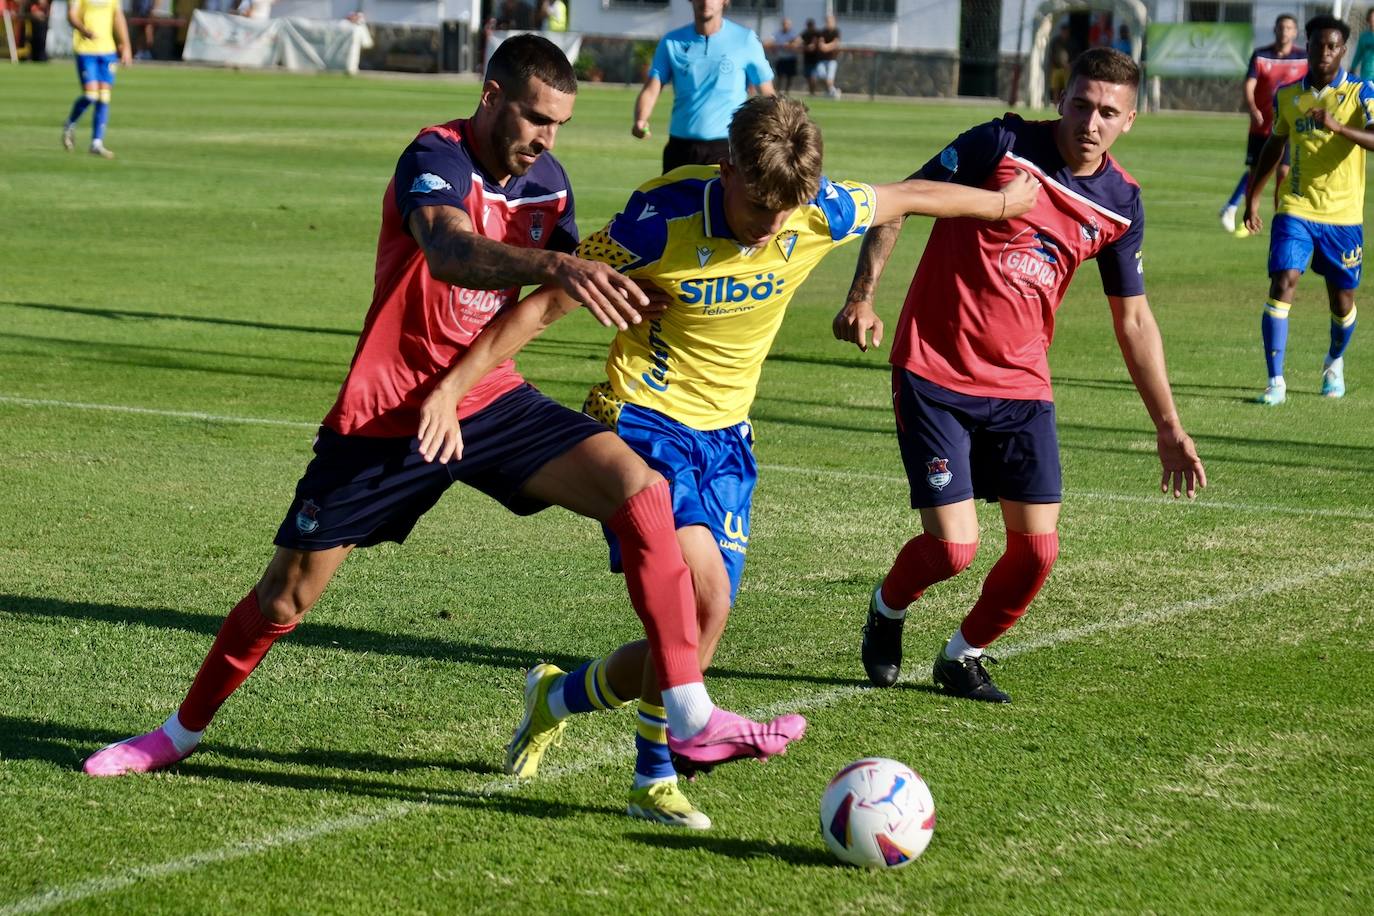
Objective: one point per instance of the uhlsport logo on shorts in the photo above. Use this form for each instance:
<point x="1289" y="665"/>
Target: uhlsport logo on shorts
<point x="938" y="474"/>
<point x="308" y="519"/>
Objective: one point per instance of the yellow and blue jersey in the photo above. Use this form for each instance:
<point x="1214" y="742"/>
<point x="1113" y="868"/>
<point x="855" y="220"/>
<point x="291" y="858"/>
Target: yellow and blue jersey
<point x="97" y="16"/>
<point x="699" y="363"/>
<point x="1326" y="184"/>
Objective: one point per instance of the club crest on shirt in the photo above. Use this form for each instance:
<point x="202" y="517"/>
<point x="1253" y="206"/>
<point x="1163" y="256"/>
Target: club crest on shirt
<point x="786" y="242"/>
<point x="938" y="474"/>
<point x="1091" y="229"/>
<point x="536" y="225"/>
<point x="308" y="519"/>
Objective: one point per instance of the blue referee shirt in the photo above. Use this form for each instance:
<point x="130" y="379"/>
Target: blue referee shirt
<point x="709" y="75"/>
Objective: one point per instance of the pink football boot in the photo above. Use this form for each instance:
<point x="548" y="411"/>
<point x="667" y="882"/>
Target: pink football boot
<point x="729" y="736"/>
<point x="140" y="754"/>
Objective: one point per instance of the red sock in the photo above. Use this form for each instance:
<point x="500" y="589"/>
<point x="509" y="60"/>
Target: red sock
<point x="660" y="583"/>
<point x="1011" y="585"/>
<point x="922" y="562"/>
<point x="243" y="640"/>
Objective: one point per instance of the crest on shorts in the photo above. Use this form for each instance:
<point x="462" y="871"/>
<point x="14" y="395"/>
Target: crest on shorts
<point x="938" y="474"/>
<point x="536" y="225"/>
<point x="308" y="519"/>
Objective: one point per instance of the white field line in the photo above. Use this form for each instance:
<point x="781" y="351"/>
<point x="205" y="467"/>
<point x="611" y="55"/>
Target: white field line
<point x="841" y="473"/>
<point x="599" y="756"/>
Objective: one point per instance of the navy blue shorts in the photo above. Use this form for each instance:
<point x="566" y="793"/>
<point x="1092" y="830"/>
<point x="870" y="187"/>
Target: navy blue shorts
<point x="958" y="446"/>
<point x="1256" y="143"/>
<point x="364" y="490"/>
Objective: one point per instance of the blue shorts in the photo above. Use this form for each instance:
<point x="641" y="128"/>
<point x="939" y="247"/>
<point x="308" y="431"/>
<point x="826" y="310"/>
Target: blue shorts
<point x="958" y="446"/>
<point x="364" y="490"/>
<point x="712" y="475"/>
<point x="96" y="68"/>
<point x="1335" y="251"/>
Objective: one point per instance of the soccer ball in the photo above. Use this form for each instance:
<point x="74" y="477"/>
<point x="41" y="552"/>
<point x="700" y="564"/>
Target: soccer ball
<point x="877" y="813"/>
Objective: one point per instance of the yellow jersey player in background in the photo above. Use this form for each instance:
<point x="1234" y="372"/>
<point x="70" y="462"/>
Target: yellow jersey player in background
<point x="100" y="37"/>
<point x="1324" y="118"/>
<point x="727" y="246"/>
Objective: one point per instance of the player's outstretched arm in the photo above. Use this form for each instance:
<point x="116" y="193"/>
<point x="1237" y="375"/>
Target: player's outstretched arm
<point x="1264" y="166"/>
<point x="1141" y="346"/>
<point x="456" y="254"/>
<point x="917" y="196"/>
<point x="440" y="436"/>
<point x="856" y="319"/>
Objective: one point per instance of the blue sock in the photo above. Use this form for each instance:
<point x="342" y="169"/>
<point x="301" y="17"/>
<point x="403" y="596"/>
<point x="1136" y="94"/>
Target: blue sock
<point x="1239" y="192"/>
<point x="1342" y="329"/>
<point x="78" y="109"/>
<point x="1274" y="329"/>
<point x="652" y="763"/>
<point x="586" y="689"/>
<point x="102" y="117"/>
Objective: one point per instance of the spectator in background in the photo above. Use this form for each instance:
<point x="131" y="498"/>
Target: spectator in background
<point x="785" y="45"/>
<point x="217" y="6"/>
<point x="810" y="37"/>
<point x="38" y="30"/>
<point x="712" y="64"/>
<point x="1123" y="40"/>
<point x="828" y="56"/>
<point x="1060" y="55"/>
<point x="552" y="16"/>
<point x="1362" y="61"/>
<point x="143" y="9"/>
<point x="513" y="15"/>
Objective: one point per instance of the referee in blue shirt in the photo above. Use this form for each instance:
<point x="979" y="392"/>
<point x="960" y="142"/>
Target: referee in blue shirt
<point x="712" y="64"/>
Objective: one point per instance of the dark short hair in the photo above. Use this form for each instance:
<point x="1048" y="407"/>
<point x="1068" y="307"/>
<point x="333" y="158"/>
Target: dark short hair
<point x="1107" y="65"/>
<point x="1322" y="23"/>
<point x="522" y="58"/>
<point x="1289" y="16"/>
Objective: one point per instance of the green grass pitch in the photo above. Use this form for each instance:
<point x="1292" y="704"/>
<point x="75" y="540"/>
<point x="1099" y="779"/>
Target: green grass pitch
<point x="1191" y="731"/>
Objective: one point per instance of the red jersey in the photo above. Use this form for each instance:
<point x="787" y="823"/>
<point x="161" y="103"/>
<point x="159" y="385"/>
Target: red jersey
<point x="418" y="326"/>
<point x="979" y="315"/>
<point x="1270" y="70"/>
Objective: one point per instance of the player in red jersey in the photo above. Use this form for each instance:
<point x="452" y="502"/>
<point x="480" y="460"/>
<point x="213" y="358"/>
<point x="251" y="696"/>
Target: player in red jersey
<point x="1270" y="67"/>
<point x="477" y="209"/>
<point x="971" y="382"/>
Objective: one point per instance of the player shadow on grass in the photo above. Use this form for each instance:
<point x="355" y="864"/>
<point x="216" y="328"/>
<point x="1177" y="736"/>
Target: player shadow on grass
<point x="317" y="633"/>
<point x="67" y="745"/>
<point x="551" y="345"/>
<point x="736" y="847"/>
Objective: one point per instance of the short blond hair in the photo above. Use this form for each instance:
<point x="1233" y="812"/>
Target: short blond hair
<point x="777" y="149"/>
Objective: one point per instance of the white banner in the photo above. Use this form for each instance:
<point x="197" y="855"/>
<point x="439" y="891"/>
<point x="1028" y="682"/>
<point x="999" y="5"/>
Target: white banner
<point x="570" y="43"/>
<point x="296" y="44"/>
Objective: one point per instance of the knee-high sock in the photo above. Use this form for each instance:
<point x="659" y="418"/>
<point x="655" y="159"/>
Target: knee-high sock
<point x="1342" y="329"/>
<point x="243" y="641"/>
<point x="1011" y="585"/>
<point x="652" y="760"/>
<point x="659" y="582"/>
<point x="1239" y="192"/>
<point x="923" y="561"/>
<point x="102" y="118"/>
<point x="1274" y="330"/>
<point x="79" y="108"/>
<point x="585" y="689"/>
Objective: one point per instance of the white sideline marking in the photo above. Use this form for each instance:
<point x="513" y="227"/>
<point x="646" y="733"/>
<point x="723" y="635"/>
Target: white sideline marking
<point x="1074" y="496"/>
<point x="181" y="414"/>
<point x="596" y="757"/>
